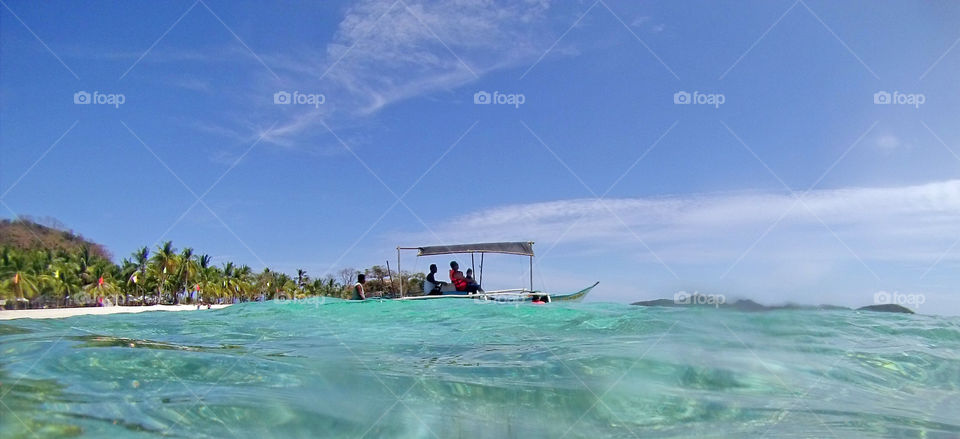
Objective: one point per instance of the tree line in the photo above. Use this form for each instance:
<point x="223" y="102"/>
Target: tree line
<point x="63" y="277"/>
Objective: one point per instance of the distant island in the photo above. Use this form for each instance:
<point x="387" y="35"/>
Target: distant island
<point x="45" y="265"/>
<point x="697" y="300"/>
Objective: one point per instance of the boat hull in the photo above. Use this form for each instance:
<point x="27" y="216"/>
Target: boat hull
<point x="513" y="296"/>
<point x="572" y="297"/>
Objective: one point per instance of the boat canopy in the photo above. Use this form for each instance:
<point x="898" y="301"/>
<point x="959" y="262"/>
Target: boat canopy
<point x="510" y="248"/>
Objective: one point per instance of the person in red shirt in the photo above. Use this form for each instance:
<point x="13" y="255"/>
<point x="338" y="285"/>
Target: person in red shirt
<point x="460" y="281"/>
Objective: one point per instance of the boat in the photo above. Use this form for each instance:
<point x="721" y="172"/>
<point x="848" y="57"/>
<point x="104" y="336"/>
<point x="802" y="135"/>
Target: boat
<point x="520" y="248"/>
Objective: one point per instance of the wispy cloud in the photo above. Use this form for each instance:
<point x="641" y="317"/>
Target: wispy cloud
<point x="280" y="135"/>
<point x="386" y="51"/>
<point x="389" y="51"/>
<point x="880" y="238"/>
<point x="911" y="223"/>
<point x="381" y="53"/>
<point x="646" y="23"/>
<point x="888" y="143"/>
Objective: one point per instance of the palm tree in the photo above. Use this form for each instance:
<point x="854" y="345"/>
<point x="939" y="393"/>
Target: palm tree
<point x="64" y="280"/>
<point x="228" y="282"/>
<point x="243" y="277"/>
<point x="163" y="263"/>
<point x="127" y="277"/>
<point x="203" y="273"/>
<point x="204" y="262"/>
<point x="285" y="286"/>
<point x="187" y="267"/>
<point x="302" y="278"/>
<point x="325" y="286"/>
<point x="102" y="281"/>
<point x="84" y="260"/>
<point x="265" y="282"/>
<point x="19" y="278"/>
<point x="141" y="258"/>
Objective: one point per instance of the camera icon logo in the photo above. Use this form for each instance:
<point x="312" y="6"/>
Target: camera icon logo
<point x="81" y="97"/>
<point x="481" y="97"/>
<point x="681" y="98"/>
<point x="881" y="298"/>
<point x="881" y="98"/>
<point x="681" y="298"/>
<point x="281" y="97"/>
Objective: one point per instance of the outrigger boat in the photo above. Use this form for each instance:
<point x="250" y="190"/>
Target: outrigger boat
<point x="509" y="295"/>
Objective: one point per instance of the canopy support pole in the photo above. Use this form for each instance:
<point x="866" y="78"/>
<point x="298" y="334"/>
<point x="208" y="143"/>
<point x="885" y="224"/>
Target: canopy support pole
<point x="480" y="280"/>
<point x="399" y="272"/>
<point x="531" y="273"/>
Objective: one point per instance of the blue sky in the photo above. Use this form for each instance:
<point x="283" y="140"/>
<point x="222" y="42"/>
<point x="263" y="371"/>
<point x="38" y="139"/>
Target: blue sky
<point x="797" y="187"/>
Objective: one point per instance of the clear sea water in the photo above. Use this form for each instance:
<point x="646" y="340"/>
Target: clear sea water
<point x="452" y="369"/>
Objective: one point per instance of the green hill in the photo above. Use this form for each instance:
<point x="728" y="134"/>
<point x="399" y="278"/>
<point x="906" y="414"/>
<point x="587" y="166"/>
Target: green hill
<point x="27" y="234"/>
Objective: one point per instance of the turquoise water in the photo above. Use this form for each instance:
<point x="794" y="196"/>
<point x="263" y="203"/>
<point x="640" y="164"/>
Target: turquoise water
<point x="451" y="369"/>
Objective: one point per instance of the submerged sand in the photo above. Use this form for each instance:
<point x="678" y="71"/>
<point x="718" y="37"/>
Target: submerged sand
<point x="59" y="313"/>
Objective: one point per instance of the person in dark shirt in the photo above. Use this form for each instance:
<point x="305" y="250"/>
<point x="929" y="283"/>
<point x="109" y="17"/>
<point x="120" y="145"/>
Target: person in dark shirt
<point x="437" y="284"/>
<point x="358" y="293"/>
<point x="472" y="285"/>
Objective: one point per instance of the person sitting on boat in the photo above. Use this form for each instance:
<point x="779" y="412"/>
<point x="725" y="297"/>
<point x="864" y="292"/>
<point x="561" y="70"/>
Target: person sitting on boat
<point x="434" y="285"/>
<point x="460" y="281"/>
<point x="457" y="277"/>
<point x="472" y="284"/>
<point x="358" y="293"/>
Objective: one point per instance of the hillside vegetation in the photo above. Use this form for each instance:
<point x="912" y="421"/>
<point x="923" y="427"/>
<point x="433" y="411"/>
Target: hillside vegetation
<point x="44" y="265"/>
<point x="28" y="234"/>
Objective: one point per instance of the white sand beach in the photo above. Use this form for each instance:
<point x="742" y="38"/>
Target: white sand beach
<point x="59" y="313"/>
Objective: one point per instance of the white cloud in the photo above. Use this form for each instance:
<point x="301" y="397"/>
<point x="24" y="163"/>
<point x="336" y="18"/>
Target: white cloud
<point x="874" y="238"/>
<point x="914" y="223"/>
<point x="388" y="52"/>
<point x="280" y="133"/>
<point x="382" y="52"/>
<point x="640" y="21"/>
<point x="887" y="142"/>
<point x="645" y="22"/>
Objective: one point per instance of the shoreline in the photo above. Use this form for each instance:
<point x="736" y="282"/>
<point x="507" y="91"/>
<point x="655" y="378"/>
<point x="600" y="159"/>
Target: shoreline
<point x="60" y="313"/>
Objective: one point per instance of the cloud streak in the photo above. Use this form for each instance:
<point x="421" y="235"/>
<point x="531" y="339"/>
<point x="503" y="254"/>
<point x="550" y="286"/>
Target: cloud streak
<point x="910" y="223"/>
<point x="387" y="51"/>
<point x="765" y="246"/>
